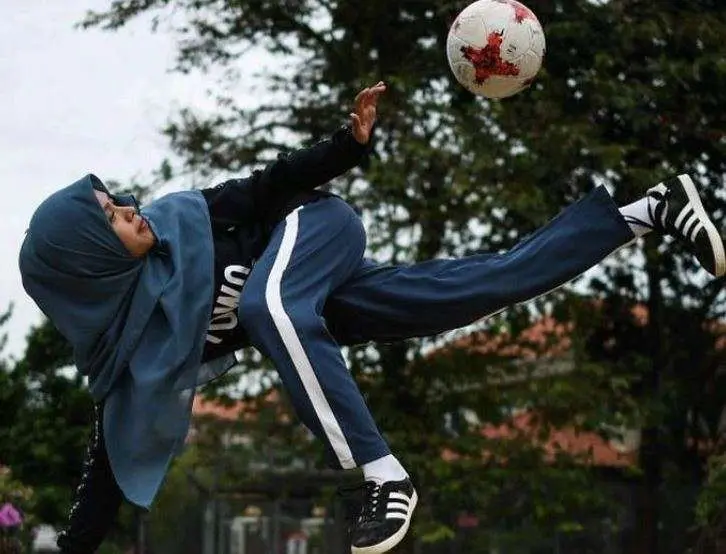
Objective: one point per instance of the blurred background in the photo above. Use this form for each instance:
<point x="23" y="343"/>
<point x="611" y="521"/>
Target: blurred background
<point x="589" y="421"/>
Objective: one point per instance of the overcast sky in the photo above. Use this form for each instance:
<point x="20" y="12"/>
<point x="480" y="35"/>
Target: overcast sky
<point x="74" y="102"/>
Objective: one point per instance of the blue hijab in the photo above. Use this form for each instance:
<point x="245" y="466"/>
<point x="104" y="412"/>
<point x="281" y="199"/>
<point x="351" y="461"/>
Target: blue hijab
<point x="137" y="325"/>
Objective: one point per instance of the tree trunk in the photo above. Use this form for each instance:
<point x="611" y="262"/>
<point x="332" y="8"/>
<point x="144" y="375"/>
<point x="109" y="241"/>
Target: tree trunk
<point x="650" y="452"/>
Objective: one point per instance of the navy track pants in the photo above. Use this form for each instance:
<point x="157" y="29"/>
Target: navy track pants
<point x="312" y="290"/>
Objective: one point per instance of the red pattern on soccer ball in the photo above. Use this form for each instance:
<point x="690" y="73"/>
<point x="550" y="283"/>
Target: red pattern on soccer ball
<point x="488" y="61"/>
<point x="521" y="12"/>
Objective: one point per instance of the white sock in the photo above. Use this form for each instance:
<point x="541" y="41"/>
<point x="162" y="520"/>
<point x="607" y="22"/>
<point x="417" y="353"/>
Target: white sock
<point x="384" y="469"/>
<point x="637" y="216"/>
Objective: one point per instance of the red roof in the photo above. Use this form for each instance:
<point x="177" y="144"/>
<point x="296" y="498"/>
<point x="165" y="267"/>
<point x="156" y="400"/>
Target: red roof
<point x="597" y="450"/>
<point x="544" y="338"/>
<point x="236" y="409"/>
<point x="203" y="407"/>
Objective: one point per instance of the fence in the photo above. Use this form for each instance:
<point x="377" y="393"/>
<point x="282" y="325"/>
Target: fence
<point x="300" y="522"/>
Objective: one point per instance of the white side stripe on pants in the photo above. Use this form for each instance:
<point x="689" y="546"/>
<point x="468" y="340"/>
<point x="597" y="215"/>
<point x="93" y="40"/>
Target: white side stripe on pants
<point x="291" y="341"/>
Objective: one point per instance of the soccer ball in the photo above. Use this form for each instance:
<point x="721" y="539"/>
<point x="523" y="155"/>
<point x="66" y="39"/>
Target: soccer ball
<point x="495" y="47"/>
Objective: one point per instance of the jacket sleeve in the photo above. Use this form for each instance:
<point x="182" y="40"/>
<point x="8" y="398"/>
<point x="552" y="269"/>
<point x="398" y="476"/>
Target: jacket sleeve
<point x="239" y="200"/>
<point x="96" y="501"/>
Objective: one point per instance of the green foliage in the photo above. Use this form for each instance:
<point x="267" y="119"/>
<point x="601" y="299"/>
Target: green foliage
<point x="51" y="411"/>
<point x="711" y="504"/>
<point x="22" y="498"/>
<point x="177" y="514"/>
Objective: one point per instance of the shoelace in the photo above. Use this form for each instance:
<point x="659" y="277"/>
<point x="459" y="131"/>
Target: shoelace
<point x="370" y="507"/>
<point x="372" y="502"/>
<point x="656" y="215"/>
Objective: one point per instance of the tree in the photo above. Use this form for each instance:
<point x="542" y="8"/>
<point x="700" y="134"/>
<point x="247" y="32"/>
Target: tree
<point x="630" y="93"/>
<point x="18" y="499"/>
<point x="623" y="110"/>
<point x="52" y="413"/>
<point x="13" y="393"/>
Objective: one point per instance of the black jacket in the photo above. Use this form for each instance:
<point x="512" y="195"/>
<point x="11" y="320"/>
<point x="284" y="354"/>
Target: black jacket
<point x="243" y="214"/>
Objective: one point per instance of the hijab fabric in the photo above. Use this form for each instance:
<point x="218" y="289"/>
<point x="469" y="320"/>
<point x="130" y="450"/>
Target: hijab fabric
<point x="137" y="325"/>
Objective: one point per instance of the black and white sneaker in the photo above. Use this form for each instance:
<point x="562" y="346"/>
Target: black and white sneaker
<point x="385" y="516"/>
<point x="677" y="211"/>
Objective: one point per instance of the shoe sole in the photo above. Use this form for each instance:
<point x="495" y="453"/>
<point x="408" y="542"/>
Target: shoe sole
<point x="714" y="237"/>
<point x="391" y="541"/>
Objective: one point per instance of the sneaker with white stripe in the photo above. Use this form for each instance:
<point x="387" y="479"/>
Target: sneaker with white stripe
<point x="678" y="211"/>
<point x="385" y="516"/>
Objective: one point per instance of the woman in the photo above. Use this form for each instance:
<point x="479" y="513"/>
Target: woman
<point x="156" y="301"/>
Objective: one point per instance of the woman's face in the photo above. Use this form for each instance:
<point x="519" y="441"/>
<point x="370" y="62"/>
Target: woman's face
<point x="132" y="229"/>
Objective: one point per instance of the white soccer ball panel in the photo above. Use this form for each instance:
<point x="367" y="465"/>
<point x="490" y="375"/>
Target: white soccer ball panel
<point x="499" y="87"/>
<point x="454" y="46"/>
<point x="516" y="42"/>
<point x="494" y="17"/>
<point x="538" y="40"/>
<point x="529" y="65"/>
<point x="464" y="73"/>
<point x="471" y="29"/>
<point x="491" y="15"/>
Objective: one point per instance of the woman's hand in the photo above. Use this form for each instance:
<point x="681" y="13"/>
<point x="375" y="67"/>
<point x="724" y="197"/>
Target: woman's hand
<point x="363" y="117"/>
